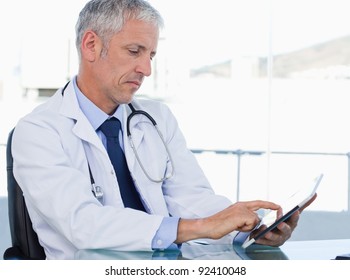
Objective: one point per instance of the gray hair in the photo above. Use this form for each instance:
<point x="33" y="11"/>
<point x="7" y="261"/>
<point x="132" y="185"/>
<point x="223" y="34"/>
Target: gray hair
<point x="107" y="17"/>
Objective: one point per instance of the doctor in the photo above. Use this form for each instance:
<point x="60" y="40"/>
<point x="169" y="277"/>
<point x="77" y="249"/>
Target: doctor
<point x="57" y="146"/>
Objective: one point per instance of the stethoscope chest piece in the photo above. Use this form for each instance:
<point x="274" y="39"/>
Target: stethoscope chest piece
<point x="98" y="192"/>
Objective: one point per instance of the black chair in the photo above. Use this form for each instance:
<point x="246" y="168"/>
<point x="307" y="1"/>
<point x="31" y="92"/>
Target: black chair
<point x="25" y="244"/>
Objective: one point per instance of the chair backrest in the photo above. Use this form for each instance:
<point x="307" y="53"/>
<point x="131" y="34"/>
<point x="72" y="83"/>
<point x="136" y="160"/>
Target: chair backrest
<point x="25" y="244"/>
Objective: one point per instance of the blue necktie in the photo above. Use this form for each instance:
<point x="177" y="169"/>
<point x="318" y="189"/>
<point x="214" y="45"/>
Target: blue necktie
<point x="130" y="196"/>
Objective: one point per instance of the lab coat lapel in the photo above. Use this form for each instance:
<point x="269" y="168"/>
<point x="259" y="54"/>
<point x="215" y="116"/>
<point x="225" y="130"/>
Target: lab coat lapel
<point x="82" y="128"/>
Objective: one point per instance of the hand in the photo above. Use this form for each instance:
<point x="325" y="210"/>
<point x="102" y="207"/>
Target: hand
<point x="284" y="230"/>
<point x="240" y="216"/>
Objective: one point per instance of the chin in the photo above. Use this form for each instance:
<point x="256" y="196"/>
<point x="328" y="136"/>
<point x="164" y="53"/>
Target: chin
<point x="125" y="100"/>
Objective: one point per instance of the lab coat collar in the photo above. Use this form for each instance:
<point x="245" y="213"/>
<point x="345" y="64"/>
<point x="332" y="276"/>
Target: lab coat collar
<point x="82" y="128"/>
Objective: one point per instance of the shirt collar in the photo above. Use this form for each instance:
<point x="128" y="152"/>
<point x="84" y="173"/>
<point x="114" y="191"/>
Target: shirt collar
<point x="94" y="114"/>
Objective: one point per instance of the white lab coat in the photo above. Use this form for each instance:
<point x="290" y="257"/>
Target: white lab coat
<point x="52" y="147"/>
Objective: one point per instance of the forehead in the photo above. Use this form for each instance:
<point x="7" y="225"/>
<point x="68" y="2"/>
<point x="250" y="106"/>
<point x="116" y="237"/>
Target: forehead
<point x="138" y="32"/>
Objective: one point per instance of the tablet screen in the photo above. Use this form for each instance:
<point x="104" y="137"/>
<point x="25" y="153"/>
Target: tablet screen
<point x="289" y="207"/>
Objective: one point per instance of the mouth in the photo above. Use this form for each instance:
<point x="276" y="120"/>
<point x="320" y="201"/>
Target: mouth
<point x="135" y="83"/>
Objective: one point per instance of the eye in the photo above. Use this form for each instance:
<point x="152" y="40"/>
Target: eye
<point x="134" y="51"/>
<point x="153" y="54"/>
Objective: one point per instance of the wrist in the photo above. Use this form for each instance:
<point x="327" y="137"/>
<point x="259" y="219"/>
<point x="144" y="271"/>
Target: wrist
<point x="190" y="229"/>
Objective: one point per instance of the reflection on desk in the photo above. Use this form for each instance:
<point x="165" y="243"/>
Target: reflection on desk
<point x="292" y="250"/>
<point x="296" y="250"/>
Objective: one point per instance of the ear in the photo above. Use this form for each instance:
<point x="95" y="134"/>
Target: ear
<point x="91" y="46"/>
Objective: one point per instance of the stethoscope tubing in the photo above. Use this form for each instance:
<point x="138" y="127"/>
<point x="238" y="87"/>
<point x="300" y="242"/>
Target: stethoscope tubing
<point x="133" y="113"/>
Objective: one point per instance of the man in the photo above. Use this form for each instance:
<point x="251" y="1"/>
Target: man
<point x="61" y="149"/>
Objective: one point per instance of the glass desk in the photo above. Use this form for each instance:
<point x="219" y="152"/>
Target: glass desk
<point x="297" y="250"/>
<point x="291" y="250"/>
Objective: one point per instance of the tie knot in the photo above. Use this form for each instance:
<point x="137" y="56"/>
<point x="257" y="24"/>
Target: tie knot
<point x="110" y="127"/>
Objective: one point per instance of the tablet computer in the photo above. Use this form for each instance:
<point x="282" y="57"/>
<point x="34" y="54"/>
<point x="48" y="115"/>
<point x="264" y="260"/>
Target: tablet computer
<point x="289" y="207"/>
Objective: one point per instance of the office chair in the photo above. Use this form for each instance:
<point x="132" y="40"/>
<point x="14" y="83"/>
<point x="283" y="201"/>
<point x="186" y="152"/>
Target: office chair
<point x="25" y="244"/>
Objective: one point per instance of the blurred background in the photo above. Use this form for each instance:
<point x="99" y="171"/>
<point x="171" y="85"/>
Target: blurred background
<point x="260" y="88"/>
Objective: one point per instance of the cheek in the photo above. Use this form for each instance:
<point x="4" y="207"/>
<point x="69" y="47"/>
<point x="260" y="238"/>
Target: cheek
<point x="109" y="75"/>
<point x="115" y="71"/>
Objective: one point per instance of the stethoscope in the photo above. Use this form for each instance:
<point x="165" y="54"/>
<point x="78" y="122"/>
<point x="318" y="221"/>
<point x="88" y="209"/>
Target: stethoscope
<point x="97" y="190"/>
<point x="133" y="113"/>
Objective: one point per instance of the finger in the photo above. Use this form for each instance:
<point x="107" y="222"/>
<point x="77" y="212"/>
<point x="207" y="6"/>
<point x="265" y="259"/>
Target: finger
<point x="271" y="239"/>
<point x="279" y="213"/>
<point x="277" y="236"/>
<point x="293" y="220"/>
<point x="250" y="223"/>
<point x="258" y="204"/>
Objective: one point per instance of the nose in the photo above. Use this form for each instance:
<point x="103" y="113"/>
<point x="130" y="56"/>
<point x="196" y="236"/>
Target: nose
<point x="144" y="67"/>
